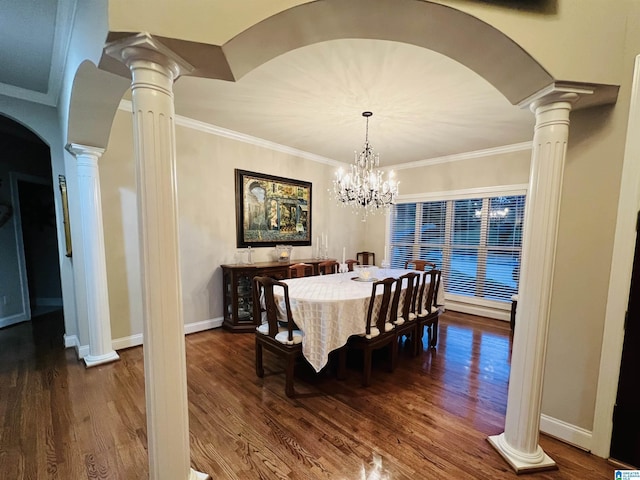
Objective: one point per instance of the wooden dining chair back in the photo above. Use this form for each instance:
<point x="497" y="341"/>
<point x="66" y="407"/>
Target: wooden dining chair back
<point x="350" y="263"/>
<point x="366" y="258"/>
<point x="429" y="313"/>
<point x="403" y="313"/>
<point x="379" y="331"/>
<point x="328" y="267"/>
<point x="284" y="341"/>
<point x="300" y="270"/>
<point x="420" y="265"/>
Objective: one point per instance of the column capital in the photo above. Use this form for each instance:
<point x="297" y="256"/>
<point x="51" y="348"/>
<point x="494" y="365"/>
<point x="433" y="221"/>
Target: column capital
<point x="77" y="149"/>
<point x="557" y="92"/>
<point x="144" y="46"/>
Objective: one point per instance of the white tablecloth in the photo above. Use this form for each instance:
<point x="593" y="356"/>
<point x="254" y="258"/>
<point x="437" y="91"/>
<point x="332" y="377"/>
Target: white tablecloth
<point x="331" y="308"/>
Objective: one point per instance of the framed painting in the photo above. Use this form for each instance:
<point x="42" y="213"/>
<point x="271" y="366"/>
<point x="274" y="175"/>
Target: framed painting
<point x="272" y="210"/>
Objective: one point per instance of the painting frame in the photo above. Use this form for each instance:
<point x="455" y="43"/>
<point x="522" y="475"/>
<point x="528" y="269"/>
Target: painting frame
<point x="62" y="183"/>
<point x="272" y="210"/>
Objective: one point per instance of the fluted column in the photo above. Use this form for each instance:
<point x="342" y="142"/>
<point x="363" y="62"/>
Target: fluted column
<point x="92" y="234"/>
<point x="153" y="69"/>
<point x="519" y="442"/>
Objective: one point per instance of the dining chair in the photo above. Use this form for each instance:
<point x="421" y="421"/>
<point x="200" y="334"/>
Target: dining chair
<point x="418" y="265"/>
<point x="284" y="341"/>
<point x="379" y="331"/>
<point x="300" y="270"/>
<point x="327" y="267"/>
<point x="350" y="263"/>
<point x="366" y="258"/>
<point x="403" y="309"/>
<point x="430" y="311"/>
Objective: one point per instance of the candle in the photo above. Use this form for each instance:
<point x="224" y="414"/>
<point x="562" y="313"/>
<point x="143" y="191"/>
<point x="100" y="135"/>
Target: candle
<point x="385" y="252"/>
<point x="344" y="252"/>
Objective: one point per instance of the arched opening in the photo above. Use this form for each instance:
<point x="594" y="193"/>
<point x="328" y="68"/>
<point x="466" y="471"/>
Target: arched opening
<point x="30" y="288"/>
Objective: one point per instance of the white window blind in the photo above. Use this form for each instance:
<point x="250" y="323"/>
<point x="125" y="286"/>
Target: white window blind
<point x="476" y="242"/>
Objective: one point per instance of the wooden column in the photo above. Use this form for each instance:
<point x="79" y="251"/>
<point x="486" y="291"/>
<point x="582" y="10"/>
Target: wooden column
<point x="153" y="69"/>
<point x="519" y="442"/>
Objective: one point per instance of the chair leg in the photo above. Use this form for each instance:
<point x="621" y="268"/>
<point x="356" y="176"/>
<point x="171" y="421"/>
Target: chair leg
<point x="366" y="373"/>
<point x="259" y="367"/>
<point x="290" y="370"/>
<point x="418" y="341"/>
<point x="434" y="335"/>
<point x="414" y="341"/>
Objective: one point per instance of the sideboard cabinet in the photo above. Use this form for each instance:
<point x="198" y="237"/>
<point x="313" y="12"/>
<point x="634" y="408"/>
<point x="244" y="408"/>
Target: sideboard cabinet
<point x="238" y="296"/>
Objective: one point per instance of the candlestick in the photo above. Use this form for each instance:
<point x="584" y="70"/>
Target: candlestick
<point x="344" y="250"/>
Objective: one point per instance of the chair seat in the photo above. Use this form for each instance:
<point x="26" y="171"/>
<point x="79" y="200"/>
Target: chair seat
<point x="375" y="331"/>
<point x="399" y="321"/>
<point x="412" y="316"/>
<point x="283" y="337"/>
<point x="264" y="329"/>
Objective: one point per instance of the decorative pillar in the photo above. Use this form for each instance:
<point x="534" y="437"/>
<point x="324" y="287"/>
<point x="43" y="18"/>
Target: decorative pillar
<point x="93" y="255"/>
<point x="153" y="69"/>
<point x="519" y="442"/>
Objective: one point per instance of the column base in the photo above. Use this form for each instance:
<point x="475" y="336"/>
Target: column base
<point x="198" y="475"/>
<point x="94" y="360"/>
<point x="519" y="461"/>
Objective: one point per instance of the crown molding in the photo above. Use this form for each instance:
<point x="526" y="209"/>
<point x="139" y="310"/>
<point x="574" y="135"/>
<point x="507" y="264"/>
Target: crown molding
<point x="125" y="105"/>
<point x="456" y="157"/>
<point x="241" y="137"/>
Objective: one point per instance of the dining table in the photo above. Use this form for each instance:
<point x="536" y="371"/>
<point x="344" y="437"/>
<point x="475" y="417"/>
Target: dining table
<point x="331" y="308"/>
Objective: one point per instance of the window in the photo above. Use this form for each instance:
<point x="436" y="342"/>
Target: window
<point x="476" y="242"/>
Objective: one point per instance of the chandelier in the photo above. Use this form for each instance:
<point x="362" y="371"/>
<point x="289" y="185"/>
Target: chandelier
<point x="363" y="187"/>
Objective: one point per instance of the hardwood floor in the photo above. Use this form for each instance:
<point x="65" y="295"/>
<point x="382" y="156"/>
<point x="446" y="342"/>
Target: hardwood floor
<point x="428" y="420"/>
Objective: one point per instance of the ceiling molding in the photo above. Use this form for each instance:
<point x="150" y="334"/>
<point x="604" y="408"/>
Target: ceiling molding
<point x="487" y="152"/>
<point x="28" y="95"/>
<point x="126" y="105"/>
<point x="65" y="18"/>
<point x="241" y="137"/>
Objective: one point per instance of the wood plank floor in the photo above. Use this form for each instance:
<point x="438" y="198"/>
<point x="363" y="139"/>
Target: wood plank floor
<point x="428" y="420"/>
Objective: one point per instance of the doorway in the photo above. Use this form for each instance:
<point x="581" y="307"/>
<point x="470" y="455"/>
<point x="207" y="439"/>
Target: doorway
<point x="625" y="438"/>
<point x="39" y="239"/>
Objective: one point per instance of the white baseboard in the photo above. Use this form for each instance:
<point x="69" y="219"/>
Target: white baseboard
<point x="478" y="310"/>
<point x="11" y="319"/>
<point x="194" y="327"/>
<point x="203" y="325"/>
<point x="566" y="432"/>
<point x="49" y="302"/>
<point x="72" y="341"/>
<point x="127" y="342"/>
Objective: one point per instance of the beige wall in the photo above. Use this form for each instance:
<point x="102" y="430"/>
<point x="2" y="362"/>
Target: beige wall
<point x="206" y="210"/>
<point x="579" y="40"/>
<point x="489" y="171"/>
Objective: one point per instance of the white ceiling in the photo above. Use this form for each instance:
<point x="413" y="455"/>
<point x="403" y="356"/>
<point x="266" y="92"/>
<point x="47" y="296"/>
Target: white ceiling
<point x="34" y="40"/>
<point x="424" y="104"/>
